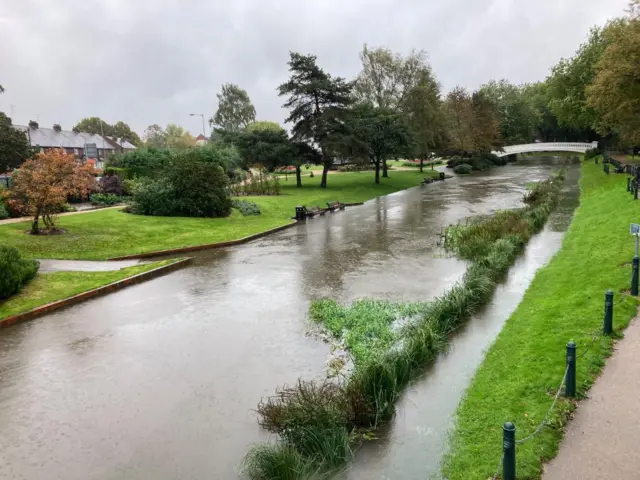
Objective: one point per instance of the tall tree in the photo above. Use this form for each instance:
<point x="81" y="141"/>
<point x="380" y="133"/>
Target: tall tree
<point x="235" y="110"/>
<point x="568" y="82"/>
<point x="123" y="131"/>
<point x="14" y="145"/>
<point x="177" y="137"/>
<point x="155" y="136"/>
<point x="379" y="132"/>
<point x="615" y="91"/>
<point x="424" y="111"/>
<point x="460" y="118"/>
<point x="317" y="104"/>
<point x="94" y="125"/>
<point x="517" y="117"/>
<point x="264" y="125"/>
<point x="387" y="77"/>
<point x="485" y="127"/>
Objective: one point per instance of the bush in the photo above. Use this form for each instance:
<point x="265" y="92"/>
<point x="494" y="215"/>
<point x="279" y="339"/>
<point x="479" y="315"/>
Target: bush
<point x="16" y="272"/>
<point x="104" y="199"/>
<point x="246" y="208"/>
<point x="311" y="175"/>
<point x="3" y="211"/>
<point x="111" y="184"/>
<point x="463" y="169"/>
<point x="356" y="168"/>
<point x="186" y="187"/>
<point x="592" y="153"/>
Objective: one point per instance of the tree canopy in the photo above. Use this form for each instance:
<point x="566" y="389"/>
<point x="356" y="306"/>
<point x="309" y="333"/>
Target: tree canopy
<point x="317" y="104"/>
<point x="235" y="110"/>
<point x="14" y="145"/>
<point x="97" y="126"/>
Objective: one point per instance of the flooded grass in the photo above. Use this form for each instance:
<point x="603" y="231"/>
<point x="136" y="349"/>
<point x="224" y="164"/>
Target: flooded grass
<point x="387" y="358"/>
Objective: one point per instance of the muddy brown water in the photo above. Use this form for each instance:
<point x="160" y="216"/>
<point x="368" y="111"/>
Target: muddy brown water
<point x="160" y="380"/>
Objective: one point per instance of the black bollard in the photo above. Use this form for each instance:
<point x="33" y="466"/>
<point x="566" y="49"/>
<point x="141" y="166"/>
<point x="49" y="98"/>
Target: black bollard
<point x="628" y="184"/>
<point x="635" y="192"/>
<point x="608" y="313"/>
<point x="509" y="451"/>
<point x="634" y="275"/>
<point x="570" y="386"/>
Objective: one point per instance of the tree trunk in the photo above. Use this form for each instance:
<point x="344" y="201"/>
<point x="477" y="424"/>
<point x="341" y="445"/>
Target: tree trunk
<point x="35" y="226"/>
<point x="421" y="164"/>
<point x="385" y="172"/>
<point x="377" y="162"/>
<point x="298" y="176"/>
<point x="326" y="164"/>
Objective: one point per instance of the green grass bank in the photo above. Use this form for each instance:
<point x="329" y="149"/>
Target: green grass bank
<point x="524" y="366"/>
<point x="111" y="233"/>
<point x="50" y="287"/>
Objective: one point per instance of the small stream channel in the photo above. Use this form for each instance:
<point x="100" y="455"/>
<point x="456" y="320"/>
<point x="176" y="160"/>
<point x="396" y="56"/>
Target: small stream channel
<point x="160" y="380"/>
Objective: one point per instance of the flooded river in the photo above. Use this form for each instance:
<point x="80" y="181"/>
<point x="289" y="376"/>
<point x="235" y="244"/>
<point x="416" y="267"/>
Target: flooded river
<point x="160" y="380"/>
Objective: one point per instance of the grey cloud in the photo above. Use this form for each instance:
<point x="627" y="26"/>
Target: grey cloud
<point x="155" y="62"/>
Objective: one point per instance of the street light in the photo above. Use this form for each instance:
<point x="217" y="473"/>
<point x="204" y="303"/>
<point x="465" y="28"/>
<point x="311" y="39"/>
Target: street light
<point x="201" y="115"/>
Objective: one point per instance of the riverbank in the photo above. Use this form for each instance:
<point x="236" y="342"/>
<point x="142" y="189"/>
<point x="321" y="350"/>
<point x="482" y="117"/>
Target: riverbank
<point x="523" y="368"/>
<point x="47" y="288"/>
<point x="111" y="233"/>
<point x="320" y="423"/>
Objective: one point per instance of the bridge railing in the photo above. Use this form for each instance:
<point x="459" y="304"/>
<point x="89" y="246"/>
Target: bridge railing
<point x="579" y="147"/>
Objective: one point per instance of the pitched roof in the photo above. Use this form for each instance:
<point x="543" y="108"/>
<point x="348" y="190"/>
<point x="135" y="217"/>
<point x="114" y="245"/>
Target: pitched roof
<point x="202" y="137"/>
<point x="49" y="137"/>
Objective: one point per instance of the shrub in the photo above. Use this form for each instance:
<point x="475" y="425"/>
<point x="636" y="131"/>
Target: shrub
<point x="111" y="184"/>
<point x="311" y="175"/>
<point x="463" y="168"/>
<point x="16" y="271"/>
<point x="3" y="211"/>
<point x="104" y="199"/>
<point x="592" y="153"/>
<point x="245" y="207"/>
<point x="186" y="187"/>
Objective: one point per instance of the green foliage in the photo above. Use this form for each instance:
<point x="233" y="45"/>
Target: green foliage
<point x="235" y="110"/>
<point x="463" y="168"/>
<point x="185" y="187"/>
<point x="14" y="145"/>
<point x="592" y="153"/>
<point x="260" y="183"/>
<point x="354" y="167"/>
<point x="280" y="462"/>
<point x="16" y="271"/>
<point x="317" y="104"/>
<point x="105" y="199"/>
<point x="245" y="207"/>
<point x="4" y="213"/>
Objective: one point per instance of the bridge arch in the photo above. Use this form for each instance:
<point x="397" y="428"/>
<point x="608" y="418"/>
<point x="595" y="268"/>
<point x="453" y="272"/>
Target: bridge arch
<point x="576" y="147"/>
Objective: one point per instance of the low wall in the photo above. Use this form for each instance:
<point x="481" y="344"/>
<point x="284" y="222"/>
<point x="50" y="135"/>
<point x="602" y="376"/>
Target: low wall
<point x="80" y="297"/>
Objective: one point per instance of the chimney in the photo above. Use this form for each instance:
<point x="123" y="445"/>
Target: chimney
<point x="33" y="124"/>
<point x="57" y="127"/>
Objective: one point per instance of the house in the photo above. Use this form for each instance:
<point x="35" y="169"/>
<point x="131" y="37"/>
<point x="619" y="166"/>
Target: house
<point x="201" y="140"/>
<point x="73" y="143"/>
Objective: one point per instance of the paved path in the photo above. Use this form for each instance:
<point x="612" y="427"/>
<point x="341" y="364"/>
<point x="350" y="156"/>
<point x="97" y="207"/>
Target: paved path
<point x="28" y="219"/>
<point x="603" y="440"/>
<point x="85" y="265"/>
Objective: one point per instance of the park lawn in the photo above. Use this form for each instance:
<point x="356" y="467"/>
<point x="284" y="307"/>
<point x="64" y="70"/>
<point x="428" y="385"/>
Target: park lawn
<point x="50" y="287"/>
<point x="111" y="233"/>
<point x="525" y="365"/>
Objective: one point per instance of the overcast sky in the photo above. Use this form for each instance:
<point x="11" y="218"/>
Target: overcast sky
<point x="148" y="62"/>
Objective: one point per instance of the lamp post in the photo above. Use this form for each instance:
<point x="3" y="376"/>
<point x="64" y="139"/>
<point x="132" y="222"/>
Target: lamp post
<point x="200" y="115"/>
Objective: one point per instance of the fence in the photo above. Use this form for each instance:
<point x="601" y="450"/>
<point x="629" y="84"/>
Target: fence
<point x="509" y="442"/>
<point x="508" y="460"/>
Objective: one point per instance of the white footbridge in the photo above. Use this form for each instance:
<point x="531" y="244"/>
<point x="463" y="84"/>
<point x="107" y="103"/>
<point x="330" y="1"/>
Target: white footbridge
<point x="546" y="147"/>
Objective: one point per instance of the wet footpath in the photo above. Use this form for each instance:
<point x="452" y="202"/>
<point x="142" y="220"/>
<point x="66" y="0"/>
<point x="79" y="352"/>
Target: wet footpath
<point x="601" y="442"/>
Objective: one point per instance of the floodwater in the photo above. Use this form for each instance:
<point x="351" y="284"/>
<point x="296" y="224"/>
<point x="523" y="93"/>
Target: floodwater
<point x="160" y="380"/>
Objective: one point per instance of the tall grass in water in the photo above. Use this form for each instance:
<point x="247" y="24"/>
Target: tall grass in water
<point x="319" y="423"/>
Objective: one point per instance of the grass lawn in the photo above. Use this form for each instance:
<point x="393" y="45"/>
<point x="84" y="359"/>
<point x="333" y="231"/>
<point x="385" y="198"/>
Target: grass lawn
<point x="50" y="287"/>
<point x="110" y="233"/>
<point x="525" y="365"/>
